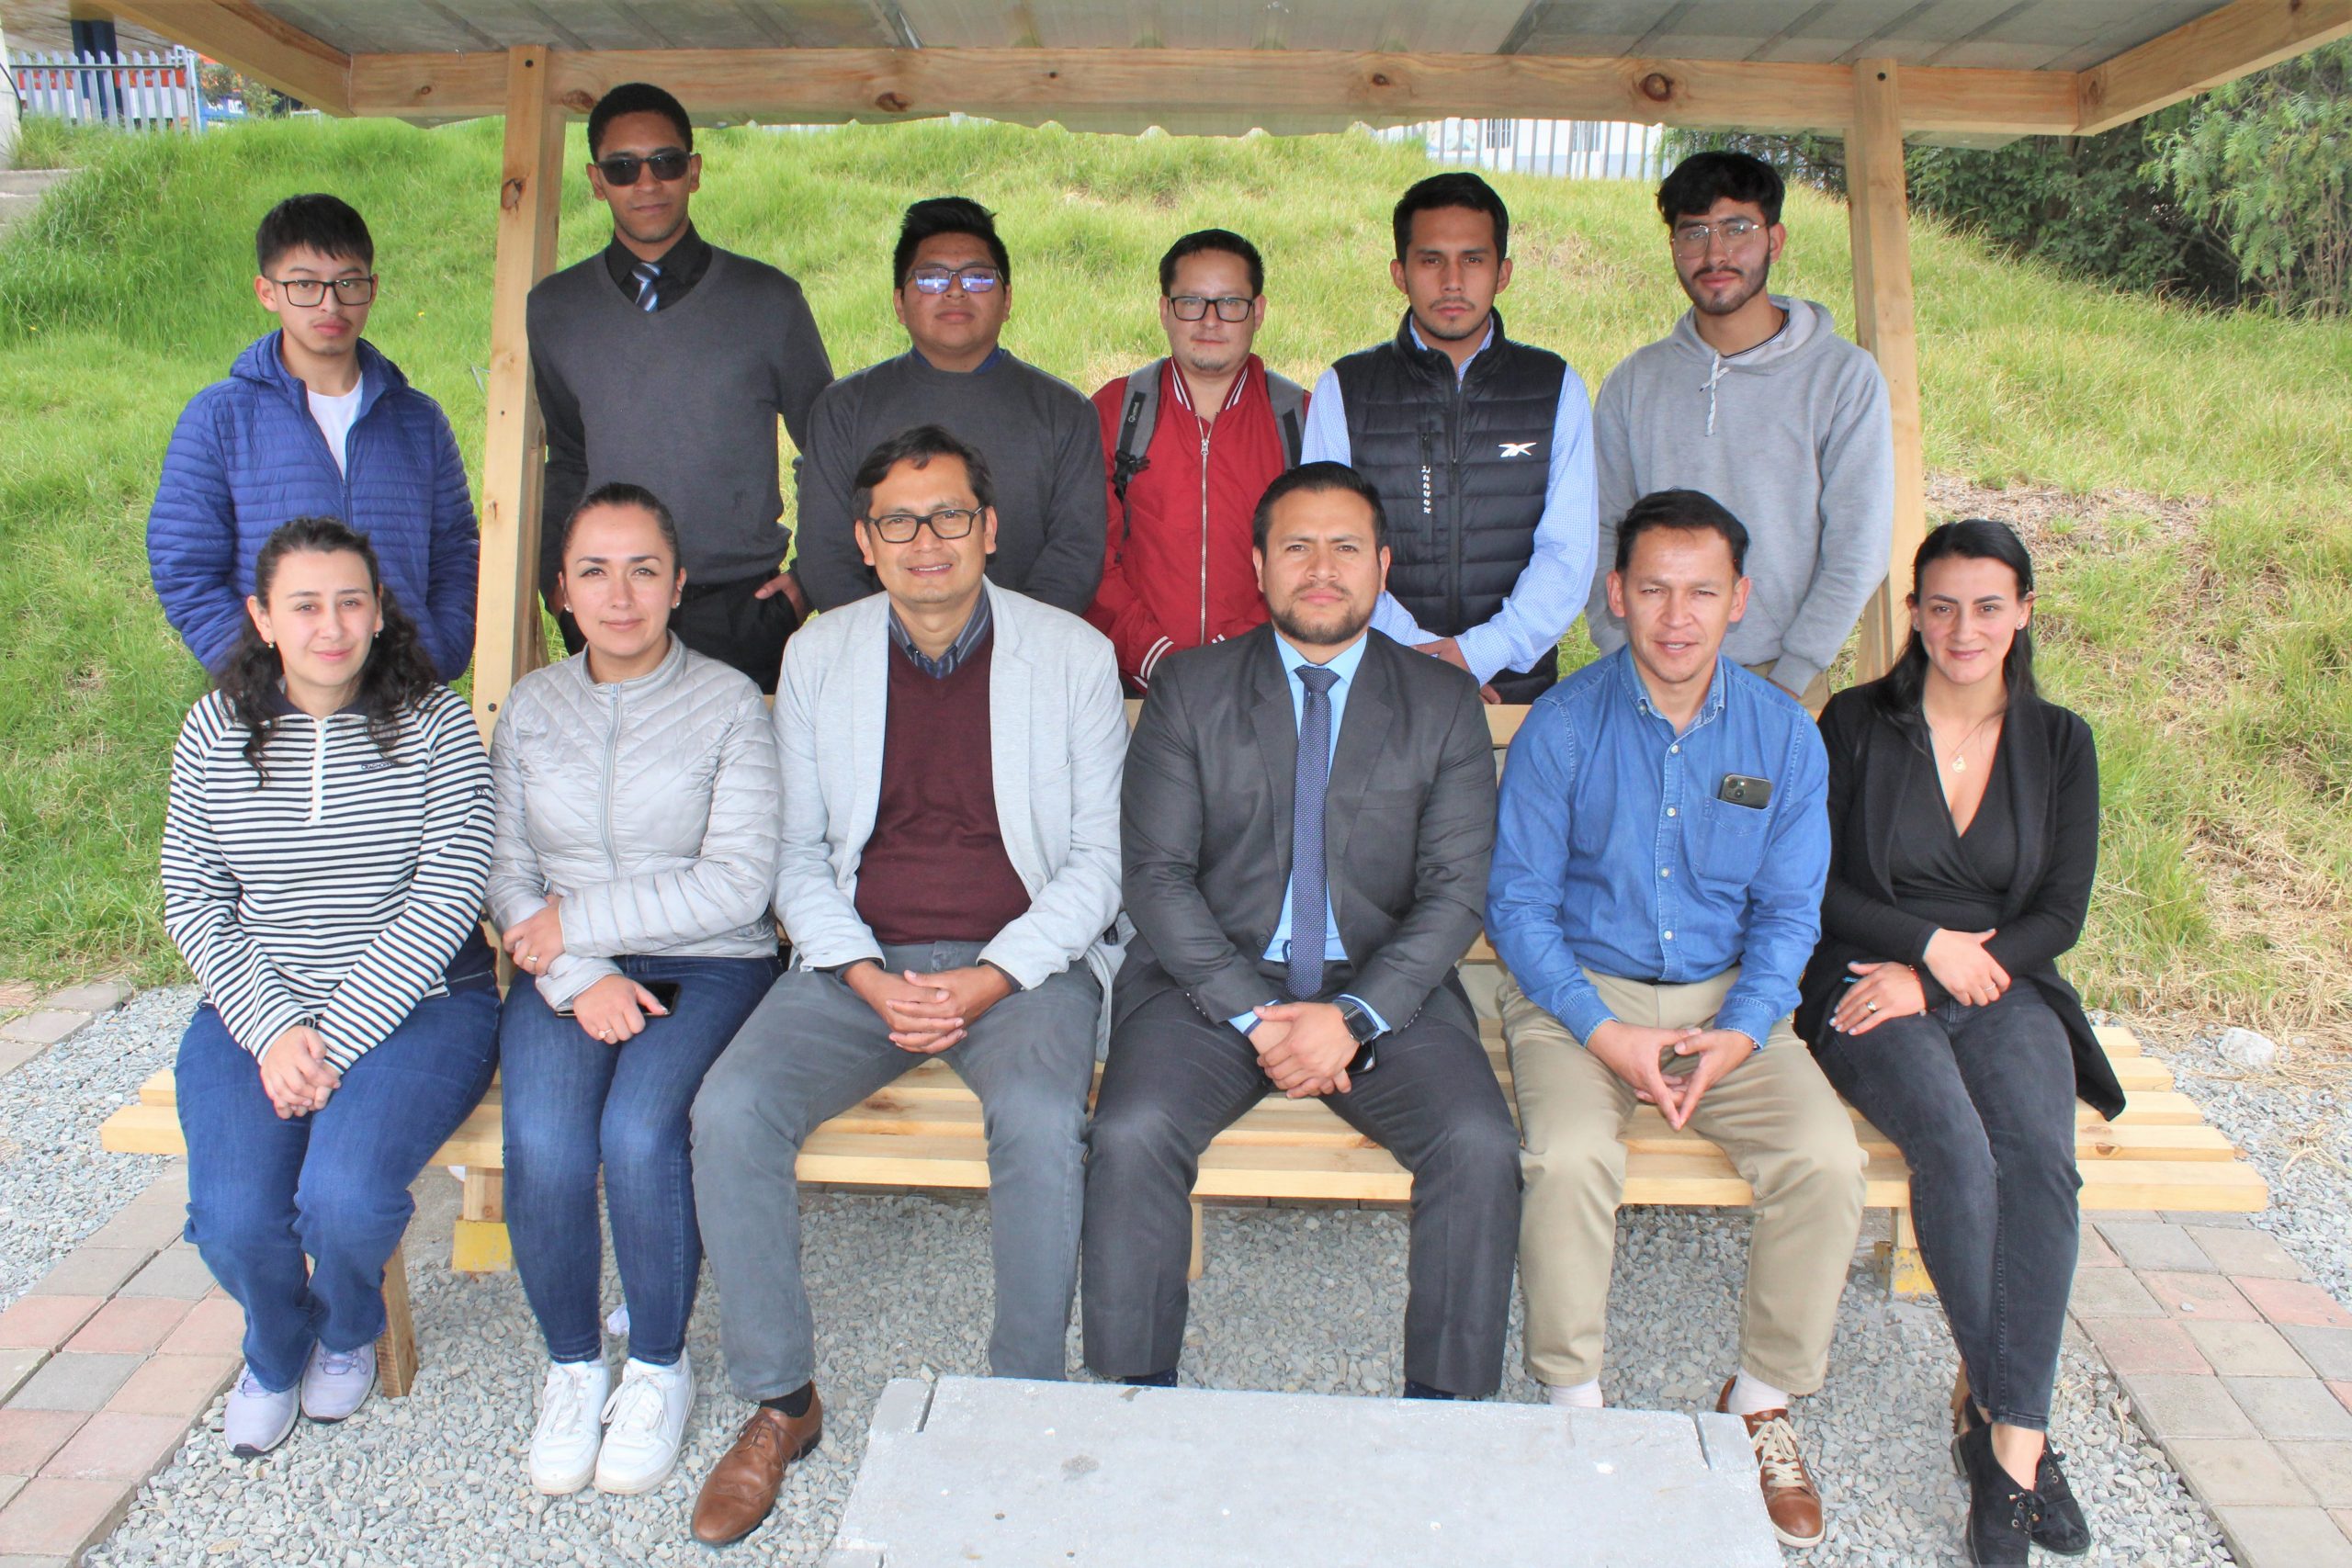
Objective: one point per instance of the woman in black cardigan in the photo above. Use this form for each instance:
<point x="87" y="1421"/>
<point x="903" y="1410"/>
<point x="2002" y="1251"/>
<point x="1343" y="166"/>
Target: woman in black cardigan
<point x="1964" y="817"/>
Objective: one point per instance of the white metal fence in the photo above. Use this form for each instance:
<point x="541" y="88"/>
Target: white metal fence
<point x="1565" y="149"/>
<point x="134" y="90"/>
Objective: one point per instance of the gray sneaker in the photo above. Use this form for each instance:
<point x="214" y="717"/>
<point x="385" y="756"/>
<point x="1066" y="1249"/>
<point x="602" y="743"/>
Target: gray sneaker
<point x="337" y="1383"/>
<point x="257" y="1420"/>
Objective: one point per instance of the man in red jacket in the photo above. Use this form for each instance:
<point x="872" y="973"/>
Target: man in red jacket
<point x="1191" y="443"/>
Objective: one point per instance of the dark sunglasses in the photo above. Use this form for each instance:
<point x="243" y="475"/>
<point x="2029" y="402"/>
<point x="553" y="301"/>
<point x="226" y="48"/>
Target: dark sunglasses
<point x="621" y="168"/>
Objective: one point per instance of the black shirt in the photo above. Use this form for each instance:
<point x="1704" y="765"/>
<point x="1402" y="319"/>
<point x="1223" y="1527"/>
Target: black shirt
<point x="1960" y="881"/>
<point x="682" y="266"/>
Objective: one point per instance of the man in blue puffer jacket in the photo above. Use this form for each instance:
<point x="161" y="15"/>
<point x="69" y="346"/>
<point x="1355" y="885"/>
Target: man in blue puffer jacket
<point x="314" y="421"/>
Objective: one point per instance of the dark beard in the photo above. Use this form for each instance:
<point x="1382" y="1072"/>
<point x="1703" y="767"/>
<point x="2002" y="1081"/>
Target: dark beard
<point x="1731" y="306"/>
<point x="1318" y="637"/>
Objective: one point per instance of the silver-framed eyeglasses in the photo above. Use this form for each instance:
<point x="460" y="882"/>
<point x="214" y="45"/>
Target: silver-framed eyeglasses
<point x="1192" y="306"/>
<point x="1692" y="238"/>
<point x="947" y="523"/>
<point x="935" y="279"/>
<point x="304" y="292"/>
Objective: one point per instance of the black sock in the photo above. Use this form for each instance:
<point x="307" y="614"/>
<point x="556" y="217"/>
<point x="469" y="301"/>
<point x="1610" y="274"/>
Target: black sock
<point x="1423" y="1391"/>
<point x="1152" y="1380"/>
<point x="796" y="1404"/>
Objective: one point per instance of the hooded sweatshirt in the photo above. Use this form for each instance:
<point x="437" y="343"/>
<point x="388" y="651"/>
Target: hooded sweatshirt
<point x="1794" y="437"/>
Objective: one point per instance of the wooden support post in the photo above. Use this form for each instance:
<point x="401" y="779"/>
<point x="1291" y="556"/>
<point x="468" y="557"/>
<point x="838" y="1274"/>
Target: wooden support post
<point x="1907" y="1275"/>
<point x="1879" y="215"/>
<point x="396" y="1347"/>
<point x="479" y="1244"/>
<point x="1199" y="1254"/>
<point x="507" y="642"/>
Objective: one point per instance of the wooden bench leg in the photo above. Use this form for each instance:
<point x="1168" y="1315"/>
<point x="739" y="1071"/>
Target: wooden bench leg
<point x="479" y="1245"/>
<point x="1193" y="1269"/>
<point x="396" y="1350"/>
<point x="1907" y="1275"/>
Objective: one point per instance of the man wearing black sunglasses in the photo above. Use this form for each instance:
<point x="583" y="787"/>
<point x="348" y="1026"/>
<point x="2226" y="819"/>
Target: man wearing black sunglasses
<point x="954" y="291"/>
<point x="680" y="356"/>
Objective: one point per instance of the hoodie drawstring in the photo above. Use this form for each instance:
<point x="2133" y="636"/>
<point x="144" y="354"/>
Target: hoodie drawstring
<point x="1708" y="388"/>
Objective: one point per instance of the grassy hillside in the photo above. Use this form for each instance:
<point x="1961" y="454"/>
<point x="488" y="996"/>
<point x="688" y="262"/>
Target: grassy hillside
<point x="2183" y="476"/>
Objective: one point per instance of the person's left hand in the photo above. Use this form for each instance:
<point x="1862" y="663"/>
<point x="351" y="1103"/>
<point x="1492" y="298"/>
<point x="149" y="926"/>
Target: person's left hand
<point x="537" y="941"/>
<point x="785" y="583"/>
<point x="615" y="1009"/>
<point x="1884" y="991"/>
<point x="1311" y="1058"/>
<point x="1446" y="649"/>
<point x="1718" y="1051"/>
<point x="971" y="991"/>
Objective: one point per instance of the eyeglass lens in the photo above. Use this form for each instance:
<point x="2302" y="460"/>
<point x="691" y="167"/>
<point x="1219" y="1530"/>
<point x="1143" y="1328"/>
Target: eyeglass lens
<point x="1694" y="236"/>
<point x="935" y="279"/>
<point x="307" y="291"/>
<point x="947" y="523"/>
<point x="1192" y="306"/>
<point x="621" y="168"/>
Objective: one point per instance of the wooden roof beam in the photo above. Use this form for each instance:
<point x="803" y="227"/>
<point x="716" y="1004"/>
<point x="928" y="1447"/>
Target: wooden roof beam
<point x="249" y="39"/>
<point x="880" y="84"/>
<point x="2218" y="47"/>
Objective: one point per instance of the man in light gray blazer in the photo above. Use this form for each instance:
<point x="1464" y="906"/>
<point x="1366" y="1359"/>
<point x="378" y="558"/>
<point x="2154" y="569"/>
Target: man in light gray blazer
<point x="949" y="877"/>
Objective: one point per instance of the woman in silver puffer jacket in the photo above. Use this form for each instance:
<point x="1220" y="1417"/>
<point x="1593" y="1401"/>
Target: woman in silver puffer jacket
<point x="634" y="858"/>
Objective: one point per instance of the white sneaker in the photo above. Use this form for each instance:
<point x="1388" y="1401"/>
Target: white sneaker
<point x="563" y="1445"/>
<point x="257" y="1419"/>
<point x="648" y="1414"/>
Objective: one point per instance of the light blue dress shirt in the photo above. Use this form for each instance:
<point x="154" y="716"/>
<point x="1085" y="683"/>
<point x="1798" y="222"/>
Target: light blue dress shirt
<point x="1552" y="589"/>
<point x="1334" y="952"/>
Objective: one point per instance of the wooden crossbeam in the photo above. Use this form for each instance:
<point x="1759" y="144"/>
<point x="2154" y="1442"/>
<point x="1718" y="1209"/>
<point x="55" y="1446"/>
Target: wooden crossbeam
<point x="252" y="41"/>
<point x="2220" y="46"/>
<point x="1034" y="84"/>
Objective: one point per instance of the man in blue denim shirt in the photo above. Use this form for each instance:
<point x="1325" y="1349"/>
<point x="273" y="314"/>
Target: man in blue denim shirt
<point x="1656" y="893"/>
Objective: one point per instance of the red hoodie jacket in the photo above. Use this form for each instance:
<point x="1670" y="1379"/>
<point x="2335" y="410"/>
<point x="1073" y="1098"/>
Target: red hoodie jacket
<point x="1176" y="569"/>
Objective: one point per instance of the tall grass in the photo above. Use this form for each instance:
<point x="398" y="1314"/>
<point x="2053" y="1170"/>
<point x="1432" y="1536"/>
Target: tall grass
<point x="2196" y="599"/>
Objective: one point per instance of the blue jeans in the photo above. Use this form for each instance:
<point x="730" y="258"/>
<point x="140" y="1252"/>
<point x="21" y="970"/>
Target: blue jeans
<point x="570" y="1103"/>
<point x="262" y="1191"/>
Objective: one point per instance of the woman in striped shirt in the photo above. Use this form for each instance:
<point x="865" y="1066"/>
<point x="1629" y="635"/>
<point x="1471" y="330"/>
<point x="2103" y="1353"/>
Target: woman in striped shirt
<point x="325" y="847"/>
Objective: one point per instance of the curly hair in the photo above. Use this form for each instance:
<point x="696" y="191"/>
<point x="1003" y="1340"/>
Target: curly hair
<point x="394" y="676"/>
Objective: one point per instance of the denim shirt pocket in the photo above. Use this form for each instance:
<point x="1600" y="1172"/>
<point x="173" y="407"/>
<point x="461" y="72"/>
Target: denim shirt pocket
<point x="1726" y="848"/>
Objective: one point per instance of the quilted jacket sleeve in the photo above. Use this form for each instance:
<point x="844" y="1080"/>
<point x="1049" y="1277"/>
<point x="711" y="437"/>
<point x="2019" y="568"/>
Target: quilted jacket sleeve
<point x="192" y="538"/>
<point x="456" y="558"/>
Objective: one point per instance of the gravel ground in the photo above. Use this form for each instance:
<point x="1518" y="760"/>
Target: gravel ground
<point x="56" y="1184"/>
<point x="1294" y="1298"/>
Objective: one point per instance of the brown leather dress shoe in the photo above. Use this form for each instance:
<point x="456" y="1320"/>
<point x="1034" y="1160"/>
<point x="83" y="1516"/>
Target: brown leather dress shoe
<point x="742" y="1486"/>
<point x="1790" y="1499"/>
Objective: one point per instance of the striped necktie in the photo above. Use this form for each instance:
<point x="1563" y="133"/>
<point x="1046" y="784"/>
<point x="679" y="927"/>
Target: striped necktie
<point x="647" y="273"/>
<point x="1311" y="898"/>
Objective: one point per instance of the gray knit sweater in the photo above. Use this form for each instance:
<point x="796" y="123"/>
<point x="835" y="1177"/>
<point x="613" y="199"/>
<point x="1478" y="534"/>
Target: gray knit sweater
<point x="1043" y="448"/>
<point x="682" y="400"/>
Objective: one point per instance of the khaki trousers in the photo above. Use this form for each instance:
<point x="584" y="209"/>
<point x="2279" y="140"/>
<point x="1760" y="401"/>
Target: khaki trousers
<point x="1776" y="1117"/>
<point x="1816" y="695"/>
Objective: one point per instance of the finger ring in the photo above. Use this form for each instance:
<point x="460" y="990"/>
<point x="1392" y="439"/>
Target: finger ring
<point x="1870" y="1006"/>
<point x="529" y="959"/>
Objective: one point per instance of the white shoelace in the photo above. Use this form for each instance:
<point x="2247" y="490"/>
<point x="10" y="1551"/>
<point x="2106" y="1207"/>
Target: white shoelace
<point x="338" y="1364"/>
<point x="249" y="1386"/>
<point x="635" y="1410"/>
<point x="566" y="1397"/>
<point x="1777" y="1455"/>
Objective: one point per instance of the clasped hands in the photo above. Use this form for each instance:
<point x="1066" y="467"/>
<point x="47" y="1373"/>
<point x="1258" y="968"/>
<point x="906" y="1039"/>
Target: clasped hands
<point x="537" y="942"/>
<point x="295" y="1072"/>
<point x="1637" y="1054"/>
<point x="1957" y="960"/>
<point x="1304" y="1047"/>
<point x="927" y="1014"/>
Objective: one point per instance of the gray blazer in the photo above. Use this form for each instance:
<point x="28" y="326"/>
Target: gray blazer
<point x="1057" y="737"/>
<point x="1408" y="828"/>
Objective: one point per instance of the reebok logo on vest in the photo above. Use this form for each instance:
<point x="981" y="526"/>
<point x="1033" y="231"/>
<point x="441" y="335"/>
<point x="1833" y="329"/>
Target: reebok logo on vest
<point x="1516" y="448"/>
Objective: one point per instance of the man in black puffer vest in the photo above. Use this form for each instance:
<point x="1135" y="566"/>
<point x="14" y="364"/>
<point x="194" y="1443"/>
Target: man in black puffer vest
<point x="1481" y="449"/>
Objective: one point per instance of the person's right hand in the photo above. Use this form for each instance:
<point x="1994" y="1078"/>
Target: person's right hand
<point x="295" y="1073"/>
<point x="614" y="1010"/>
<point x="1961" y="966"/>
<point x="1632" y="1052"/>
<point x="921" y="1019"/>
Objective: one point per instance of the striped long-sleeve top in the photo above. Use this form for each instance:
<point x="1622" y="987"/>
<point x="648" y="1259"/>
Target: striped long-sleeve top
<point x="335" y="888"/>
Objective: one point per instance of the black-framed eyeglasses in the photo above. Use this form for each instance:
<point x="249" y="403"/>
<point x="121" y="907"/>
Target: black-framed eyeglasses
<point x="304" y="292"/>
<point x="947" y="523"/>
<point x="621" y="169"/>
<point x="935" y="279"/>
<point x="1192" y="306"/>
<point x="1692" y="238"/>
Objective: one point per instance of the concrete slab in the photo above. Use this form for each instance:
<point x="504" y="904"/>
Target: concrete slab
<point x="99" y="996"/>
<point x="45" y="1028"/>
<point x="2149" y="1243"/>
<point x="2284" y="1538"/>
<point x="1009" y="1471"/>
<point x="2292" y="1408"/>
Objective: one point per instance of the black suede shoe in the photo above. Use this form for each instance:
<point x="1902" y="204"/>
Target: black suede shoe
<point x="2061" y="1528"/>
<point x="2001" y="1513"/>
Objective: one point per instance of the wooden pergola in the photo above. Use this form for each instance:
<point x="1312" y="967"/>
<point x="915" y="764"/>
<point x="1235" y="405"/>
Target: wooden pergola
<point x="1878" y="73"/>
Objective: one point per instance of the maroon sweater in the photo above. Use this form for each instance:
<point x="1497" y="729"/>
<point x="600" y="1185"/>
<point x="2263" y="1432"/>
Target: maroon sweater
<point x="934" y="869"/>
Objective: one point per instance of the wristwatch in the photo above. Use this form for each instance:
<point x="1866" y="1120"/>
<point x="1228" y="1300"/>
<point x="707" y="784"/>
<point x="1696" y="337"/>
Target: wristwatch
<point x="1363" y="1028"/>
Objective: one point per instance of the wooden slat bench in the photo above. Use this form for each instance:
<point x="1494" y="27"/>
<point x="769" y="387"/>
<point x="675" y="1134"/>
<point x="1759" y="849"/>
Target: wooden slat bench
<point x="924" y="1132"/>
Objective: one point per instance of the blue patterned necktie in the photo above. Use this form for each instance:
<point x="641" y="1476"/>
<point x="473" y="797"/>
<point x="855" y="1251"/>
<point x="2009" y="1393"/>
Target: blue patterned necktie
<point x="647" y="273"/>
<point x="1310" y="900"/>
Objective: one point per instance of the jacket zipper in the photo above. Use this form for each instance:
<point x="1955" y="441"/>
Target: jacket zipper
<point x="612" y="762"/>
<point x="1207" y="432"/>
<point x="1453" y="422"/>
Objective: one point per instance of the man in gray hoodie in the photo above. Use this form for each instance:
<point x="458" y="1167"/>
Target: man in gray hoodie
<point x="1754" y="398"/>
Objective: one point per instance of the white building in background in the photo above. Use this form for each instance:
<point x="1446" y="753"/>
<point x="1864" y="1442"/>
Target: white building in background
<point x="1563" y="149"/>
<point x="7" y="107"/>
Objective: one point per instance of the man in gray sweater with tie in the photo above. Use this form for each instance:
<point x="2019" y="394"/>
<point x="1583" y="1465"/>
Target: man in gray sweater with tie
<point x="666" y="362"/>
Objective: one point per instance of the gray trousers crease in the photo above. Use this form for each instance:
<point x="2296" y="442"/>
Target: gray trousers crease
<point x="1175" y="1080"/>
<point x="810" y="1050"/>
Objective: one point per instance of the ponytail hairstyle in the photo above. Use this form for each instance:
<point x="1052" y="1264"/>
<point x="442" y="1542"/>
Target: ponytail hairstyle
<point x="394" y="675"/>
<point x="1969" y="539"/>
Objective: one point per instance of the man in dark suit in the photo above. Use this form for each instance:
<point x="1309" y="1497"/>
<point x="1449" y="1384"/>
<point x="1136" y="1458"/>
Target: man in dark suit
<point x="1307" y="814"/>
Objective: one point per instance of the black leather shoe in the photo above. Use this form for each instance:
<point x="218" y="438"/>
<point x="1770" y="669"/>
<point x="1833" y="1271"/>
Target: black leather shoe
<point x="2001" y="1513"/>
<point x="2061" y="1528"/>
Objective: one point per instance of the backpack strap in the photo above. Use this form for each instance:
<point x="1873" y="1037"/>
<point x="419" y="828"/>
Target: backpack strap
<point x="1135" y="425"/>
<point x="1290" y="406"/>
